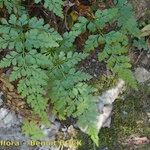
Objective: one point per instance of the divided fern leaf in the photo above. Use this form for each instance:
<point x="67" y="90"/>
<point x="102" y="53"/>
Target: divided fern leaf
<point x="53" y="5"/>
<point x="114" y="53"/>
<point x="102" y="18"/>
<point x="126" y="19"/>
<point x="24" y="37"/>
<point x="12" y="6"/>
<point x="31" y="129"/>
<point x="69" y="92"/>
<point x="69" y="37"/>
<point x="64" y="79"/>
<point x="22" y="32"/>
<point x="141" y="44"/>
<point x="93" y="42"/>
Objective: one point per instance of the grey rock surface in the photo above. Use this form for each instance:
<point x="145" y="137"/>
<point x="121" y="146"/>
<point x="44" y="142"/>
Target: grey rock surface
<point x="8" y="118"/>
<point x="10" y="130"/>
<point x="105" y="105"/>
<point x="15" y="134"/>
<point x="142" y="75"/>
<point x="52" y="131"/>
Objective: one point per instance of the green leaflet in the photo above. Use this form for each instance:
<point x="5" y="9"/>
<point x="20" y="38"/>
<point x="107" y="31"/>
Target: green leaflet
<point x="31" y="129"/>
<point x="93" y="42"/>
<point x="141" y="44"/>
<point x="114" y="53"/>
<point x="12" y="6"/>
<point x="102" y="18"/>
<point x="126" y="19"/>
<point x="53" y="5"/>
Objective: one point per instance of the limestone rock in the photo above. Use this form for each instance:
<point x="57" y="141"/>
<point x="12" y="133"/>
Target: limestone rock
<point x="142" y="75"/>
<point x="7" y="118"/>
<point x="105" y="105"/>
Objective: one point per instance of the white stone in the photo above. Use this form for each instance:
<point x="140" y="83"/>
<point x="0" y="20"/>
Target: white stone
<point x="8" y="118"/>
<point x="3" y="113"/>
<point x="142" y="75"/>
<point x="104" y="119"/>
<point x="109" y="96"/>
<point x="105" y="105"/>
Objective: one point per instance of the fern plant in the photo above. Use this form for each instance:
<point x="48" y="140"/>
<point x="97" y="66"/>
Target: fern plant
<point x="115" y="42"/>
<point x="69" y="92"/>
<point x="115" y="53"/>
<point x="43" y="63"/>
<point x="31" y="129"/>
<point x="24" y="36"/>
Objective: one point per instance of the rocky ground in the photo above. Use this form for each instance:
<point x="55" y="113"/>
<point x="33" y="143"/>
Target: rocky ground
<point x="10" y="123"/>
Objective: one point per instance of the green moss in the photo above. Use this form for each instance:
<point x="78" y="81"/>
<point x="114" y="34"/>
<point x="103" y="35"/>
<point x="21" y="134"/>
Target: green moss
<point x="128" y="119"/>
<point x="87" y="143"/>
<point x="104" y="82"/>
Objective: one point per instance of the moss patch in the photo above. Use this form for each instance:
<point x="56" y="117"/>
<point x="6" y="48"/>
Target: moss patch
<point x="104" y="83"/>
<point x="129" y="118"/>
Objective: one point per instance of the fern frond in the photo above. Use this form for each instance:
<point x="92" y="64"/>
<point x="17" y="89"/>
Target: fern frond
<point x="126" y="19"/>
<point x="114" y="53"/>
<point x="69" y="37"/>
<point x="70" y="94"/>
<point x="53" y="5"/>
<point x="22" y="32"/>
<point x="31" y="129"/>
<point x="12" y="6"/>
<point x="141" y="44"/>
<point x="64" y="79"/>
<point x="21" y="35"/>
<point x="102" y="17"/>
<point x="93" y="42"/>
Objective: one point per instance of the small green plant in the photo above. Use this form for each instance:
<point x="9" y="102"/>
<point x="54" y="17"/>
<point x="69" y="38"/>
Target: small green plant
<point x="32" y="130"/>
<point x="142" y="43"/>
<point x="43" y="63"/>
<point x="68" y="92"/>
